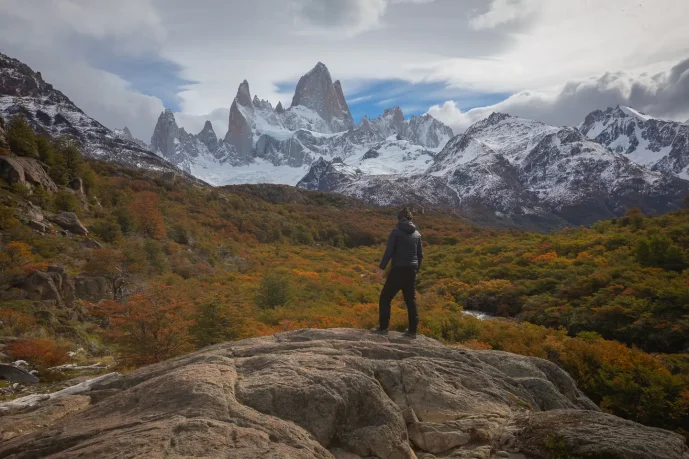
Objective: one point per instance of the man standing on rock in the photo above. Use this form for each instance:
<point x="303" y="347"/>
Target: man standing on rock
<point x="405" y="251"/>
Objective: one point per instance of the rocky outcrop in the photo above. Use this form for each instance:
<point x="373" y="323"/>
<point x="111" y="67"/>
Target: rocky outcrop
<point x="166" y="137"/>
<point x="15" y="425"/>
<point x="94" y="288"/>
<point x="70" y="222"/>
<point x="329" y="176"/>
<point x="126" y="134"/>
<point x="17" y="169"/>
<point x="55" y="285"/>
<point x="207" y="137"/>
<point x="341" y="394"/>
<point x="316" y="91"/>
<point x="61" y="289"/>
<point x="3" y="135"/>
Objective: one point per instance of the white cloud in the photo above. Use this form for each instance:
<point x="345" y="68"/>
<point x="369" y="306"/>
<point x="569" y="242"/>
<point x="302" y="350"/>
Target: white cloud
<point x="664" y="95"/>
<point x="341" y="18"/>
<point x="505" y="46"/>
<point x="52" y="38"/>
<point x="503" y="12"/>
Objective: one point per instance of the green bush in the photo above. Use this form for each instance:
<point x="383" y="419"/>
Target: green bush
<point x="21" y="189"/>
<point x="126" y="220"/>
<point x="660" y="252"/>
<point x="107" y="229"/>
<point x="274" y="291"/>
<point x="66" y="201"/>
<point x="21" y="138"/>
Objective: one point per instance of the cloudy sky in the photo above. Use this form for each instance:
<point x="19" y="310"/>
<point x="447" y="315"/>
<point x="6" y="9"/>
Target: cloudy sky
<point x="124" y="61"/>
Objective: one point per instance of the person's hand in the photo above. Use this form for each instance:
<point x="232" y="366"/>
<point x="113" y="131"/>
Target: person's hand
<point x="379" y="274"/>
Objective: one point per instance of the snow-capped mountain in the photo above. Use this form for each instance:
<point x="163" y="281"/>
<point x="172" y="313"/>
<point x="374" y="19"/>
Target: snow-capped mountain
<point x="23" y="91"/>
<point x="516" y="172"/>
<point x="127" y="135"/>
<point x="278" y="145"/>
<point x="657" y="144"/>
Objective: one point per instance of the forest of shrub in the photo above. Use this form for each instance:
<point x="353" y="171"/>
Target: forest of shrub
<point x="198" y="265"/>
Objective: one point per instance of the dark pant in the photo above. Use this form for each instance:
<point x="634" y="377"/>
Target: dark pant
<point x="399" y="279"/>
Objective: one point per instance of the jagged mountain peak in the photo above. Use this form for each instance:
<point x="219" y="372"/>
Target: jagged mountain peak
<point x="319" y="68"/>
<point x="207" y="127"/>
<point x="316" y="91"/>
<point x="629" y="111"/>
<point x="278" y="108"/>
<point x="494" y="119"/>
<point x="243" y="94"/>
<point x="167" y="115"/>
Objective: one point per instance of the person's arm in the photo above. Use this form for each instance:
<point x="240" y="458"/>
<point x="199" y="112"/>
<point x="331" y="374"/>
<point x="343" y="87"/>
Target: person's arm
<point x="419" y="253"/>
<point x="389" y="250"/>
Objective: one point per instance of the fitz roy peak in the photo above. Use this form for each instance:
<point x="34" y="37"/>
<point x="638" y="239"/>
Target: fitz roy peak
<point x="317" y="92"/>
<point x="278" y="145"/>
<point x="503" y="171"/>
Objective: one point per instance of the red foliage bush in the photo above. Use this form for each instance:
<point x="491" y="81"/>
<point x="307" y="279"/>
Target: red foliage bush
<point x="43" y="353"/>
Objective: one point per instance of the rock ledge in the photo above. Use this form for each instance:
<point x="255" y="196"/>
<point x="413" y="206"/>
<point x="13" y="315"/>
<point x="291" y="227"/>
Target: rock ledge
<point x="345" y="394"/>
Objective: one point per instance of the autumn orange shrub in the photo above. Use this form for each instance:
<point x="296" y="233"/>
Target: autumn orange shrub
<point x="148" y="215"/>
<point x="42" y="353"/>
<point x="103" y="261"/>
<point x="150" y="326"/>
<point x="15" y="256"/>
<point x="15" y="323"/>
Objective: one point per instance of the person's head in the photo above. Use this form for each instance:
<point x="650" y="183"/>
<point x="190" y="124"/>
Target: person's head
<point x="405" y="214"/>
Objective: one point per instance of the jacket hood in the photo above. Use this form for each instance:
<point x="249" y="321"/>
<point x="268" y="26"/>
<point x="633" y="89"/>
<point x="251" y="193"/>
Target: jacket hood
<point x="406" y="226"/>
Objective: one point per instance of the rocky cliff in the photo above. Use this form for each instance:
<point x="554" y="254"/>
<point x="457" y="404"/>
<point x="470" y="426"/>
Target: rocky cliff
<point x="316" y="91"/>
<point x="657" y="144"/>
<point x="341" y="394"/>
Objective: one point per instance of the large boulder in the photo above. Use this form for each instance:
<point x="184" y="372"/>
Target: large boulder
<point x="343" y="394"/>
<point x="94" y="288"/>
<point x="54" y="285"/>
<point x="16" y="169"/>
<point x="70" y="222"/>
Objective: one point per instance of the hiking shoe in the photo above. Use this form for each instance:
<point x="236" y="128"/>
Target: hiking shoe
<point x="379" y="331"/>
<point x="409" y="334"/>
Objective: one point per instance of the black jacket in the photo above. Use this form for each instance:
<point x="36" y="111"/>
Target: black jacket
<point x="404" y="247"/>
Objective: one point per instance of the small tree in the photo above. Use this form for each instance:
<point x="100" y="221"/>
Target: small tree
<point x="107" y="229"/>
<point x="660" y="252"/>
<point x="274" y="291"/>
<point x="21" y="138"/>
<point x="69" y="150"/>
<point x="214" y="322"/>
<point x="66" y="201"/>
<point x="148" y="216"/>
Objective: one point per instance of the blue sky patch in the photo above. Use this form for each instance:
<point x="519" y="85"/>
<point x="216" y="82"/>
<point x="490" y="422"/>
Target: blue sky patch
<point x="373" y="97"/>
<point x="148" y="74"/>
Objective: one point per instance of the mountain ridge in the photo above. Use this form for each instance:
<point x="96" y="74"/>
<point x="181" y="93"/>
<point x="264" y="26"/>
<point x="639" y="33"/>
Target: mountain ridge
<point x="506" y="170"/>
<point x="263" y="142"/>
<point x="24" y="92"/>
